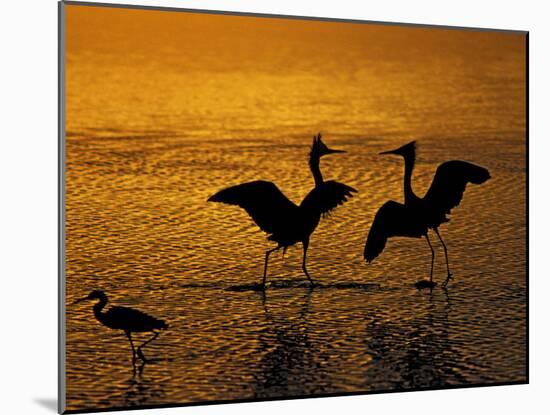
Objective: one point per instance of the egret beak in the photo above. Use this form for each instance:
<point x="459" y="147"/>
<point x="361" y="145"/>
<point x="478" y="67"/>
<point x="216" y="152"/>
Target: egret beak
<point x="407" y="149"/>
<point x="331" y="151"/>
<point x="78" y="301"/>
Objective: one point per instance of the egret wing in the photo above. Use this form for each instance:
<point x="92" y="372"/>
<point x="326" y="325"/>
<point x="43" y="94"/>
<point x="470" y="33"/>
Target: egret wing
<point x="327" y="196"/>
<point x="449" y="183"/>
<point x="392" y="219"/>
<point x="262" y="200"/>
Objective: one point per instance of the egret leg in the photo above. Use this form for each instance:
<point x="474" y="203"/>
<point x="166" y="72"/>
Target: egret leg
<point x="265" y="264"/>
<point x="433" y="257"/>
<point x="140" y="353"/>
<point x="129" y="335"/>
<point x="304" y="268"/>
<point x="155" y="335"/>
<point x="449" y="275"/>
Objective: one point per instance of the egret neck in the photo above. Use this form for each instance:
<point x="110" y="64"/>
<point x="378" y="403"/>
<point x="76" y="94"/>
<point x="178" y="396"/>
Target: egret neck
<point x="410" y="197"/>
<point x="99" y="306"/>
<point x="314" y="159"/>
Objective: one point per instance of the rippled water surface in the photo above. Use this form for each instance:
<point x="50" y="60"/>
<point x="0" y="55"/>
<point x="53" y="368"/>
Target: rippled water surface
<point x="165" y="109"/>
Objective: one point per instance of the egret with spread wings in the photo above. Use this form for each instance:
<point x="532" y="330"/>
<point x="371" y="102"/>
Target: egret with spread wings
<point x="417" y="215"/>
<point x="285" y="222"/>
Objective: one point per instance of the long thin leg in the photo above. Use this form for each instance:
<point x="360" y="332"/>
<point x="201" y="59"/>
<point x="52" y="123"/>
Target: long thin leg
<point x="155" y="335"/>
<point x="449" y="275"/>
<point x="304" y="268"/>
<point x="142" y="356"/>
<point x="433" y="257"/>
<point x="129" y="335"/>
<point x="140" y="353"/>
<point x="265" y="264"/>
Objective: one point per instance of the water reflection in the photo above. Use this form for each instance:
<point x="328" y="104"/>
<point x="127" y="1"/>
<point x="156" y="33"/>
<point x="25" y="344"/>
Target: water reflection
<point x="288" y="357"/>
<point x="418" y="354"/>
<point x="140" y="167"/>
<point x="142" y="389"/>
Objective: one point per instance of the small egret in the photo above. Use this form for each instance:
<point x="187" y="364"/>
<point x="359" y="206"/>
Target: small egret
<point x="126" y="319"/>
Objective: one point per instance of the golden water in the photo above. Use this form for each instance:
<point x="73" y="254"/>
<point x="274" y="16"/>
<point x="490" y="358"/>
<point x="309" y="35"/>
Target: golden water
<point x="164" y="109"/>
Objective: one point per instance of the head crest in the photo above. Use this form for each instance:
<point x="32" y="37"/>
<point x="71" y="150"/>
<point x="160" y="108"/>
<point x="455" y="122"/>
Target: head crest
<point x="318" y="146"/>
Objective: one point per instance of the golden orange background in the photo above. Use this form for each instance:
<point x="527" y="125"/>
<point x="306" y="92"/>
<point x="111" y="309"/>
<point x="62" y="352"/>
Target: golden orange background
<point x="163" y="109"/>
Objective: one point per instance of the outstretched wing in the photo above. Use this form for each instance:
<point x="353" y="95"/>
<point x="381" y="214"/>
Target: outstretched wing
<point x="327" y="196"/>
<point x="392" y="219"/>
<point x="262" y="200"/>
<point x="449" y="183"/>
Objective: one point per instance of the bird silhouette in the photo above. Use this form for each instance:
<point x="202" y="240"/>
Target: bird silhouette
<point x="417" y="215"/>
<point x="285" y="222"/>
<point x="126" y="319"/>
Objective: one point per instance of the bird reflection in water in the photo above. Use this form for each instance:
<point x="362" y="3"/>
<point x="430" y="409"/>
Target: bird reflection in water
<point x="418" y="354"/>
<point x="288" y="360"/>
<point x="142" y="390"/>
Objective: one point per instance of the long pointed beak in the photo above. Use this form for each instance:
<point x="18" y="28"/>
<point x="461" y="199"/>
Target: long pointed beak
<point x="388" y="152"/>
<point x="332" y="151"/>
<point x="80" y="300"/>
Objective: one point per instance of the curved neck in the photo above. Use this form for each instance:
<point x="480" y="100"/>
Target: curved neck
<point x="315" y="169"/>
<point x="409" y="167"/>
<point x="99" y="306"/>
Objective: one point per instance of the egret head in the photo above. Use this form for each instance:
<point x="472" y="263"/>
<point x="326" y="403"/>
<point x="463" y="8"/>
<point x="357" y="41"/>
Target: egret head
<point x="408" y="150"/>
<point x="320" y="149"/>
<point x="94" y="295"/>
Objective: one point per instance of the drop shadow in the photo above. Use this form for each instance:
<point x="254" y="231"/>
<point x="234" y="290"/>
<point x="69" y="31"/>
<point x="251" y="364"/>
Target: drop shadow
<point x="49" y="403"/>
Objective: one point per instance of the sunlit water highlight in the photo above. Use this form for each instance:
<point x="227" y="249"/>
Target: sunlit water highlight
<point x="148" y="140"/>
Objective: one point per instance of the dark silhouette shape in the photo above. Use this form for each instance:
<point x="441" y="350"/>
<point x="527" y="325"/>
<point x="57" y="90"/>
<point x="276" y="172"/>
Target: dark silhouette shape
<point x="292" y="284"/>
<point x="285" y="222"/>
<point x="417" y="215"/>
<point x="126" y="319"/>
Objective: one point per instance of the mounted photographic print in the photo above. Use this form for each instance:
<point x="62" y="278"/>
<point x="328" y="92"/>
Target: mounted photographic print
<point x="260" y="207"/>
